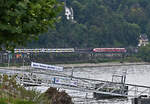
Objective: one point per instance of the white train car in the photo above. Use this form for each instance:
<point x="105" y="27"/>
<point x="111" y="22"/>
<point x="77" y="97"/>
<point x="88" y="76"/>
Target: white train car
<point x="45" y="50"/>
<point x="60" y="50"/>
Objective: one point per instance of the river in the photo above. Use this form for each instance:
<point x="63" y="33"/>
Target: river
<point x="136" y="74"/>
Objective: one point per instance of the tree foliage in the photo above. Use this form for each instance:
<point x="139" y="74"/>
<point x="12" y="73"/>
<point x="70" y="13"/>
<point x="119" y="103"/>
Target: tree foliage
<point x="13" y="93"/>
<point x="57" y="97"/>
<point x="144" y="53"/>
<point x="100" y="23"/>
<point x="23" y="20"/>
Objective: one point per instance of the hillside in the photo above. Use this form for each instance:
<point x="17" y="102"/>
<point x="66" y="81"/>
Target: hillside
<point x="99" y="23"/>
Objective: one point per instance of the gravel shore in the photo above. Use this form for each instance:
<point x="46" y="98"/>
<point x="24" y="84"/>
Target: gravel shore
<point x="101" y="64"/>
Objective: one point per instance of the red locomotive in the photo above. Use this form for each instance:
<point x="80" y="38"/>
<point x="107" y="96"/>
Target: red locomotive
<point x="110" y="50"/>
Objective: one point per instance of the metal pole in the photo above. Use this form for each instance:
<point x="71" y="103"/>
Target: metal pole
<point x="86" y="102"/>
<point x="23" y="61"/>
<point x="8" y="60"/>
<point x="72" y="73"/>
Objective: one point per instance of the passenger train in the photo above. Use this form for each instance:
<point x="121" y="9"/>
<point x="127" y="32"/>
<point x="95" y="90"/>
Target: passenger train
<point x="71" y="50"/>
<point x="44" y="50"/>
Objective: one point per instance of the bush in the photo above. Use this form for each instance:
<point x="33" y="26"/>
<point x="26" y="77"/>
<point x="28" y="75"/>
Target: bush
<point x="3" y="101"/>
<point x="17" y="101"/>
<point x="12" y="93"/>
<point x="56" y="97"/>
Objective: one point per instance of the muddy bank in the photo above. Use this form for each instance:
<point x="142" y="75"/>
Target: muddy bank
<point x="100" y="64"/>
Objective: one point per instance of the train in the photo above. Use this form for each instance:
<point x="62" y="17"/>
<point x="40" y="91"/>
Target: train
<point x="110" y="50"/>
<point x="71" y="50"/>
<point x="44" y="50"/>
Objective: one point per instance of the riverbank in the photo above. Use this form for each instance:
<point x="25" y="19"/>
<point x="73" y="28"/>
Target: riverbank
<point x="84" y="65"/>
<point x="109" y="64"/>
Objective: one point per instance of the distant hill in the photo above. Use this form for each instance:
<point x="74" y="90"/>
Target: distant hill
<point x="99" y="23"/>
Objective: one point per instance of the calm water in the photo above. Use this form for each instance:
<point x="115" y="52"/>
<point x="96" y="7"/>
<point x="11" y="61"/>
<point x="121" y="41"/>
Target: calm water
<point x="136" y="74"/>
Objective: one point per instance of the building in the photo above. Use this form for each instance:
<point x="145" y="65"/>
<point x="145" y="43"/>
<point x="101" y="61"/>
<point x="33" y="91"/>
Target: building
<point x="143" y="40"/>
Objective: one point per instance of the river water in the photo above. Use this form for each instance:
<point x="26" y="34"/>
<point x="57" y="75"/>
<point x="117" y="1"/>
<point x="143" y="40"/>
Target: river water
<point x="136" y="74"/>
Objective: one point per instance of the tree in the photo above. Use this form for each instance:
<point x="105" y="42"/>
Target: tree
<point x="100" y="23"/>
<point x="143" y="53"/>
<point x="57" y="97"/>
<point x="24" y="20"/>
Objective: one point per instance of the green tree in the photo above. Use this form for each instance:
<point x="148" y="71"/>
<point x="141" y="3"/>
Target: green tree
<point x="24" y="20"/>
<point x="144" y="53"/>
<point x="100" y="23"/>
<point x="57" y="97"/>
